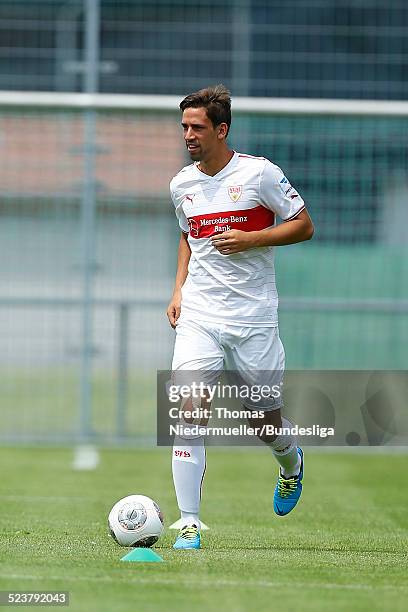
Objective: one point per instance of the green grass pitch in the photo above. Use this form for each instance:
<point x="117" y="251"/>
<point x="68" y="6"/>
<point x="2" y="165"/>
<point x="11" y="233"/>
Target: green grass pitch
<point x="343" y="548"/>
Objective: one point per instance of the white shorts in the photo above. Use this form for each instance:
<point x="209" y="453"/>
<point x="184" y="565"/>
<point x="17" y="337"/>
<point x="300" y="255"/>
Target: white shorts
<point x="256" y="354"/>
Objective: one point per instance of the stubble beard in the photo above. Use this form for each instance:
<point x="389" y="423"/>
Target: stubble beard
<point x="195" y="156"/>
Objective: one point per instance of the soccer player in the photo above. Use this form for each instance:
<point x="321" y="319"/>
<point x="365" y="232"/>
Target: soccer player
<point x="224" y="305"/>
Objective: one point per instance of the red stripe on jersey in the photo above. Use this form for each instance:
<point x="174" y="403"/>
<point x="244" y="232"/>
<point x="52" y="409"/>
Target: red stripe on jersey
<point x="250" y="156"/>
<point x="247" y="220"/>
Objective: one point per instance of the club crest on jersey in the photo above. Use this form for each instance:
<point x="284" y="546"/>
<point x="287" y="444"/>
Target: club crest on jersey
<point x="235" y="192"/>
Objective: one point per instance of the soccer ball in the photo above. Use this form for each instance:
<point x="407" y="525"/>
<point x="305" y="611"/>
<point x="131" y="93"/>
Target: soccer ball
<point x="136" y="520"/>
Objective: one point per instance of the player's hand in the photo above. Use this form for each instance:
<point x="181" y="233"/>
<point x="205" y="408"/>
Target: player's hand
<point x="174" y="308"/>
<point x="232" y="241"/>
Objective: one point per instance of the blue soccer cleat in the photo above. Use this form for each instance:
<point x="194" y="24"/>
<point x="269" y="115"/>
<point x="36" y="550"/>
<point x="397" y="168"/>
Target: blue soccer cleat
<point x="288" y="490"/>
<point x="188" y="537"/>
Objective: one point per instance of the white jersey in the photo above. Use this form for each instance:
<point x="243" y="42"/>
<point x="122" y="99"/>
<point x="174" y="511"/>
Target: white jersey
<point x="246" y="194"/>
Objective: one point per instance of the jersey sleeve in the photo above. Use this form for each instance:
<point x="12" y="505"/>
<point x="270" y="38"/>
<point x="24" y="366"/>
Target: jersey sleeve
<point x="178" y="208"/>
<point x="277" y="194"/>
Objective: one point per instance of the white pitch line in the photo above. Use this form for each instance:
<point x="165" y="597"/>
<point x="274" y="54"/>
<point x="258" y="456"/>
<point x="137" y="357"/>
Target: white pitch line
<point x="211" y="583"/>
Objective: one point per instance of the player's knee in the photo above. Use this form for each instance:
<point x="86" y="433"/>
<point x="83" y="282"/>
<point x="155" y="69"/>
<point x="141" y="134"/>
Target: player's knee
<point x="195" y="411"/>
<point x="266" y="425"/>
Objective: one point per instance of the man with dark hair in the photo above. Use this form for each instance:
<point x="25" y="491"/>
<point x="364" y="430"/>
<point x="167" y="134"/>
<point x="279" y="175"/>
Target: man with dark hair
<point x="224" y="305"/>
<point x="216" y="100"/>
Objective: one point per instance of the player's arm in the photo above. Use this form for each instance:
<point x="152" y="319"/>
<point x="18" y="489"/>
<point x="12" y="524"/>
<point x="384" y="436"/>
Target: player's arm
<point x="296" y="230"/>
<point x="184" y="254"/>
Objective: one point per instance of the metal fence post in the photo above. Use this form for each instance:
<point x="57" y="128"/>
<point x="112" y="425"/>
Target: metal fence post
<point x="88" y="215"/>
